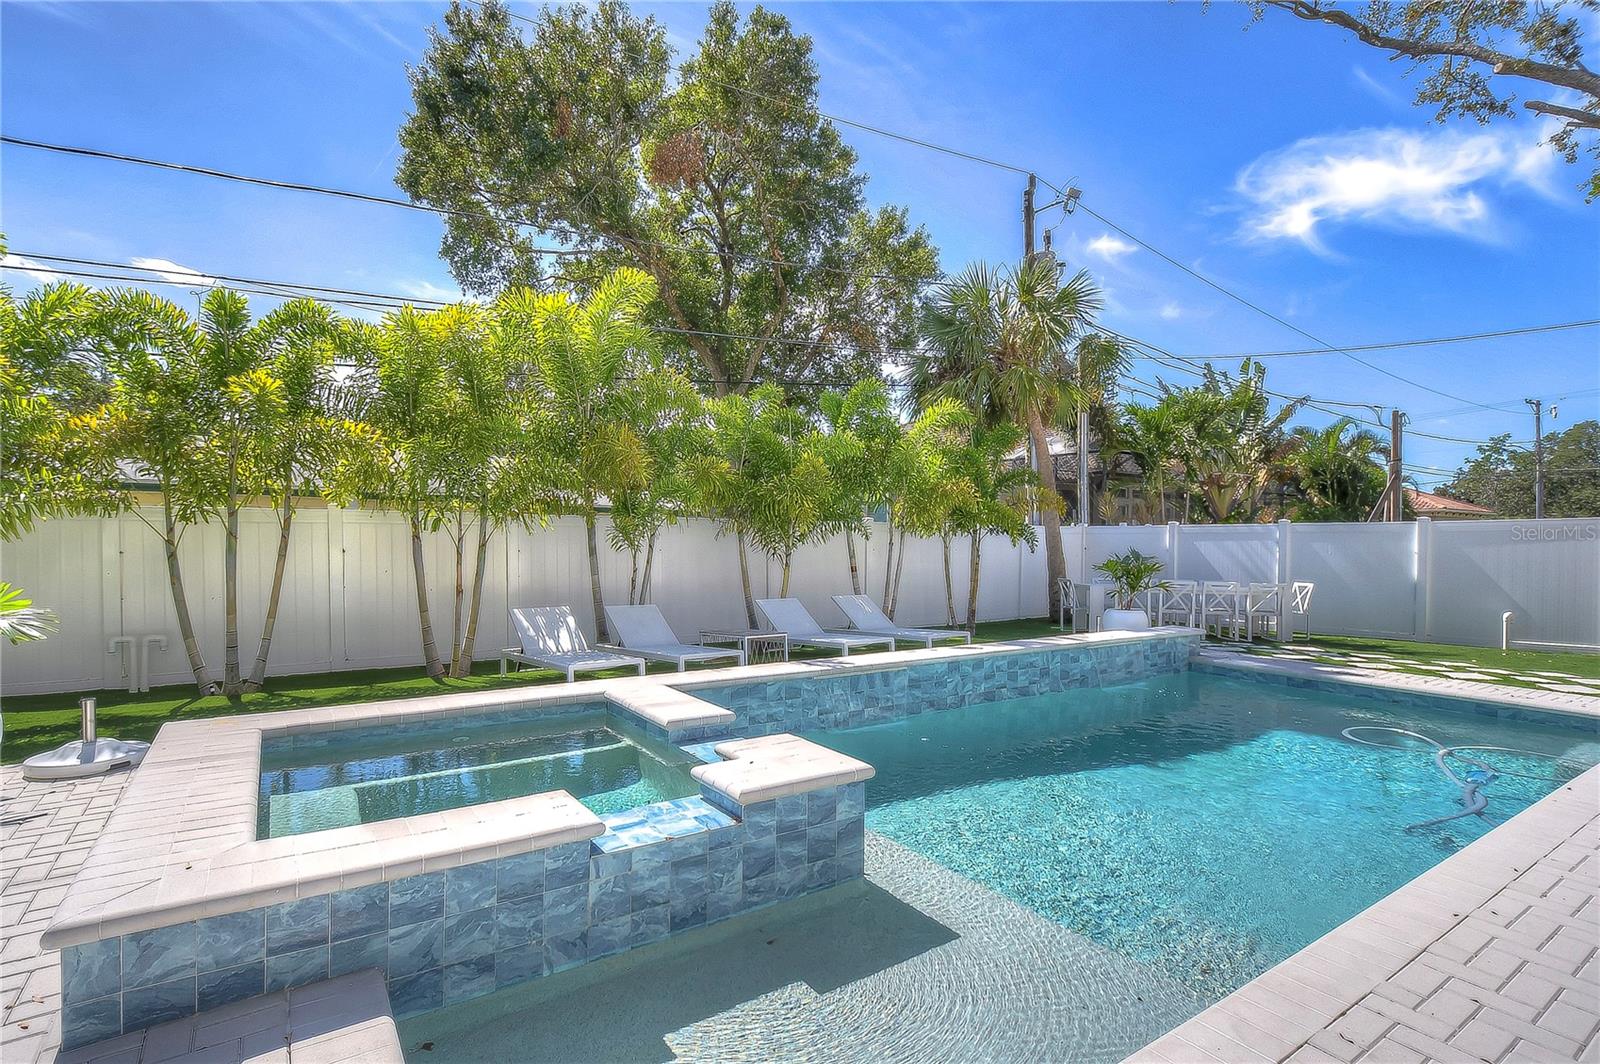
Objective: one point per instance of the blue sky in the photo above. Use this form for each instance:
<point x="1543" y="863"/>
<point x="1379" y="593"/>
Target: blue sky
<point x="1281" y="159"/>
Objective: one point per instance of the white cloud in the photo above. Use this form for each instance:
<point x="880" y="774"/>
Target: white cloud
<point x="1170" y="311"/>
<point x="1434" y="180"/>
<point x="31" y="270"/>
<point x="428" y="291"/>
<point x="175" y="272"/>
<point x="1109" y="247"/>
<point x="1376" y="88"/>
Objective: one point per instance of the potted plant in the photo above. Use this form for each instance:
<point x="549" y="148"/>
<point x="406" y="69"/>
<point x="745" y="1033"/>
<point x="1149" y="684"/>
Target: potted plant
<point x="1132" y="574"/>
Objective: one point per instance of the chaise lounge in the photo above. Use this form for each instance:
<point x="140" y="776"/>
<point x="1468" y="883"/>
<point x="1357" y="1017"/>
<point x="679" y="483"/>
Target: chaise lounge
<point x="789" y="615"/>
<point x="642" y="630"/>
<point x="551" y="639"/>
<point x="865" y="616"/>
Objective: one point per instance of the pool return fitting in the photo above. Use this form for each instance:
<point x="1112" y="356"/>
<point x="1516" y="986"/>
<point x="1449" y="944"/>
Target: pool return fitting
<point x="1479" y="773"/>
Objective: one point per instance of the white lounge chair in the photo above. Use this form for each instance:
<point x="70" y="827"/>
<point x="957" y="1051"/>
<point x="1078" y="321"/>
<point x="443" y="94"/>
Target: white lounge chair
<point x="865" y="616"/>
<point x="551" y="638"/>
<point x="790" y="616"/>
<point x="643" y="631"/>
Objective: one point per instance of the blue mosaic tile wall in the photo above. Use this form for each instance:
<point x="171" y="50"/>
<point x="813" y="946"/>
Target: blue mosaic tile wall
<point x="855" y="698"/>
<point x="445" y="937"/>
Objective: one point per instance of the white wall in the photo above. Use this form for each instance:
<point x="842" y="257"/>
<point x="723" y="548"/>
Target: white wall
<point x="349" y="598"/>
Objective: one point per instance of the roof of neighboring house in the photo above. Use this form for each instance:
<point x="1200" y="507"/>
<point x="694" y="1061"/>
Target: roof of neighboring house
<point x="1064" y="455"/>
<point x="1427" y="504"/>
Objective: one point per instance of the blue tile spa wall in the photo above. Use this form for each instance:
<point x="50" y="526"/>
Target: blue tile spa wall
<point x="854" y="698"/>
<point x="448" y="936"/>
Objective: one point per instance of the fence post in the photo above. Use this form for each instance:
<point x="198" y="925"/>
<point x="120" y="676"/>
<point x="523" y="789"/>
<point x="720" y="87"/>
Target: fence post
<point x="1284" y="568"/>
<point x="337" y="657"/>
<point x="1172" y="546"/>
<point x="1422" y="546"/>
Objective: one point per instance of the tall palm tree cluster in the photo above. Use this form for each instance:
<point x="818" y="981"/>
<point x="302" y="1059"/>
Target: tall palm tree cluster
<point x="467" y="420"/>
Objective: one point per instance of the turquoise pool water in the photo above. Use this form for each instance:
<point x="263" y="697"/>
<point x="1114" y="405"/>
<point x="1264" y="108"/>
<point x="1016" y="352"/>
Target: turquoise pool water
<point x="372" y="774"/>
<point x="1206" y="826"/>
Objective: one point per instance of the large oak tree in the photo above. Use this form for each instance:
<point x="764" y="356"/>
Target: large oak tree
<point x="722" y="182"/>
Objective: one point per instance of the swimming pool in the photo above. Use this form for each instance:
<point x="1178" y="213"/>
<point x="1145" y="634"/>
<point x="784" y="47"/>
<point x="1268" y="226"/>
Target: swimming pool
<point x="381" y="773"/>
<point x="1205" y="825"/>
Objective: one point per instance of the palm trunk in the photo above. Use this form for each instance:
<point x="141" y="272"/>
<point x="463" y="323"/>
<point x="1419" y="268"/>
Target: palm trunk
<point x="972" y="583"/>
<point x="430" y="652"/>
<point x="888" y="567"/>
<point x="744" y="578"/>
<point x="1054" y="553"/>
<point x="949" y="585"/>
<point x="459" y="540"/>
<point x="598" y="597"/>
<point x="649" y="561"/>
<point x="633" y="577"/>
<point x="899" y="567"/>
<point x="783" y="590"/>
<point x="230" y="598"/>
<point x="258" y="672"/>
<point x="464" y="662"/>
<point x="180" y="602"/>
<point x="855" y="573"/>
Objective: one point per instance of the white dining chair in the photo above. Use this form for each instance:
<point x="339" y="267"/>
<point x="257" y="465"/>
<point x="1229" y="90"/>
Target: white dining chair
<point x="1074" y="609"/>
<point x="1300" y="605"/>
<point x="1264" y="606"/>
<point x="1180" y="604"/>
<point x="1219" y="608"/>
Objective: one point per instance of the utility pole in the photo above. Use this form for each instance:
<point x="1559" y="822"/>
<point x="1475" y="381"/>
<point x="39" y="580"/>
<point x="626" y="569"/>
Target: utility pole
<point x="1027" y="215"/>
<point x="1538" y="457"/>
<point x="1397" y="510"/>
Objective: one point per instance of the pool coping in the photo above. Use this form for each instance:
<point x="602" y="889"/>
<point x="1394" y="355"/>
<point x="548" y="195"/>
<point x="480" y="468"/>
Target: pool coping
<point x="181" y="844"/>
<point x="1289" y="1011"/>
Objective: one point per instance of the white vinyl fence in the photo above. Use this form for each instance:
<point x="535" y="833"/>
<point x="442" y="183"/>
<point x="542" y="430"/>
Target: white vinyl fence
<point x="349" y="596"/>
<point x="349" y="600"/>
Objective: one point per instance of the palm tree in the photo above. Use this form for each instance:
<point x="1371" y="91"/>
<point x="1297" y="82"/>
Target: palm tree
<point x="1155" y="436"/>
<point x="860" y="430"/>
<point x="586" y="356"/>
<point x="1097" y="366"/>
<point x="925" y="485"/>
<point x="1001" y="341"/>
<point x="20" y="620"/>
<point x="154" y="417"/>
<point x="999" y="501"/>
<point x="1235" y="443"/>
<point x="1341" y="476"/>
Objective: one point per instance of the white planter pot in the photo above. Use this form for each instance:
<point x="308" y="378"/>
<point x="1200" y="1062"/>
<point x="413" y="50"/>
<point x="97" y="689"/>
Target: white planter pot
<point x="1125" y="621"/>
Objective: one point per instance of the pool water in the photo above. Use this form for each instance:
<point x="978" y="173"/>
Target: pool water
<point x="381" y="773"/>
<point x="1203" y="825"/>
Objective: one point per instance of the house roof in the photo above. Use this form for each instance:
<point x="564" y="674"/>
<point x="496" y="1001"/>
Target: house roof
<point x="1427" y="504"/>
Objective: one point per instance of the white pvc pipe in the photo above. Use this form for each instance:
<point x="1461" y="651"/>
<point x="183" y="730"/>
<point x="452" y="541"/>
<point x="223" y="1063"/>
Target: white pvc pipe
<point x="144" y="657"/>
<point x="130" y="665"/>
<point x="1505" y="630"/>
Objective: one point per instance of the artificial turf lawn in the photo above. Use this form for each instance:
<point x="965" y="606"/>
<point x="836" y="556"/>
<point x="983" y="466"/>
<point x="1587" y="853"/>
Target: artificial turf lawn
<point x="34" y="723"/>
<point x="1519" y="661"/>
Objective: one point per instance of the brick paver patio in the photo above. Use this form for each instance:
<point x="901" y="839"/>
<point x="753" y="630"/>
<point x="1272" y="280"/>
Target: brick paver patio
<point x="46" y="830"/>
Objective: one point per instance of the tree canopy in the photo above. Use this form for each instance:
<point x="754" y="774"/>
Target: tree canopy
<point x="1501" y="476"/>
<point x="575" y="145"/>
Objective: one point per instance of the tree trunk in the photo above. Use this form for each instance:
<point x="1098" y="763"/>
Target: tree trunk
<point x="258" y="672"/>
<point x="464" y="661"/>
<point x="855" y="573"/>
<point x="430" y="652"/>
<point x="1054" y="554"/>
<point x="230" y="601"/>
<point x="180" y="604"/>
<point x="459" y="540"/>
<point x="888" y="567"/>
<point x="949" y="585"/>
<point x="972" y="583"/>
<point x="633" y="577"/>
<point x="649" y="562"/>
<point x="744" y="578"/>
<point x="783" y="590"/>
<point x="600" y="630"/>
<point x="899" y="567"/>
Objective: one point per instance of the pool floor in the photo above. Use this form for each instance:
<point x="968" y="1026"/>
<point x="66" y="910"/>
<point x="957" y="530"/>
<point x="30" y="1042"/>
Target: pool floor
<point x="915" y="963"/>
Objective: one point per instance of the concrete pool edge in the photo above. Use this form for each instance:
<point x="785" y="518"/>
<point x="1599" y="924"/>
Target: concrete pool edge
<point x="1368" y="984"/>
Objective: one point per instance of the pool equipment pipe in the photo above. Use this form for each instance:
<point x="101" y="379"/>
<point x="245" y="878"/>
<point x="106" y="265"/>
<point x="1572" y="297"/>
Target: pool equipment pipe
<point x="160" y="642"/>
<point x="1478" y="776"/>
<point x="130" y="665"/>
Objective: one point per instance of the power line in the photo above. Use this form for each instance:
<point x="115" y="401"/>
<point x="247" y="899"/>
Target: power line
<point x="1429" y="342"/>
<point x="391" y="201"/>
<point x="1265" y="312"/>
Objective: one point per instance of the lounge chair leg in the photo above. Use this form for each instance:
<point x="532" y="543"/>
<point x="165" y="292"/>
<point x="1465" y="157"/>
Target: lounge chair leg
<point x="641" y="668"/>
<point x="502" y="666"/>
